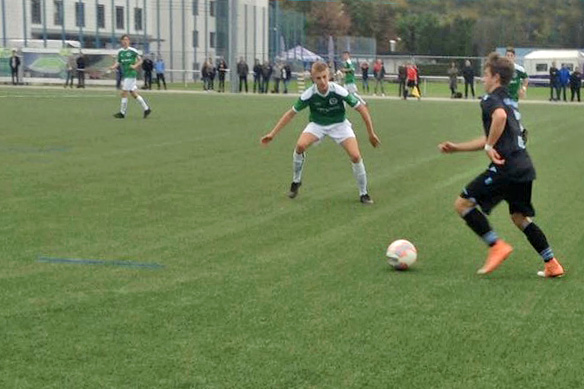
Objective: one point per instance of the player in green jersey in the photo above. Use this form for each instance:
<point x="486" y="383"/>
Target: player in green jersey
<point x="349" y="70"/>
<point x="518" y="85"/>
<point x="129" y="61"/>
<point x="327" y="118"/>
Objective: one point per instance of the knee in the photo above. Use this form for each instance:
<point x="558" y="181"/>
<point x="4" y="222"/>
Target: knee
<point x="520" y="220"/>
<point x="462" y="205"/>
<point x="356" y="158"/>
<point x="300" y="148"/>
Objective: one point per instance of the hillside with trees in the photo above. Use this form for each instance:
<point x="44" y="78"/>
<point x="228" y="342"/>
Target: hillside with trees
<point x="449" y="27"/>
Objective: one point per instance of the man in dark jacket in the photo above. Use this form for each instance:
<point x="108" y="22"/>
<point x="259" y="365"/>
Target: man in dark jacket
<point x="257" y="76"/>
<point x="266" y="75"/>
<point x="401" y="78"/>
<point x="81" y="71"/>
<point x="287" y="76"/>
<point x="242" y="71"/>
<point x="554" y="82"/>
<point x="147" y="66"/>
<point x="575" y="84"/>
<point x="468" y="75"/>
<point x="14" y="65"/>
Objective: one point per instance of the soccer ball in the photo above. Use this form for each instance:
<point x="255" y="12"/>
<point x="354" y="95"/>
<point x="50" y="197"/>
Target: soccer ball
<point x="401" y="254"/>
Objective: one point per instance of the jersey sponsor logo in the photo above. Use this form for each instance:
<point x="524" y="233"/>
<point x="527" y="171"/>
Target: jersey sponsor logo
<point x="333" y="101"/>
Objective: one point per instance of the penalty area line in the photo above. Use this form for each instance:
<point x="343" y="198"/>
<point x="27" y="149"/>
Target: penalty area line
<point x="100" y="262"/>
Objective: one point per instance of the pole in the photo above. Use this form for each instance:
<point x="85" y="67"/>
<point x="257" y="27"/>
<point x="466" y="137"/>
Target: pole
<point x="233" y="45"/>
<point x="184" y="57"/>
<point x="145" y="26"/>
<point x="158" y="25"/>
<point x="96" y="25"/>
<point x="24" y="22"/>
<point x="63" y="37"/>
<point x="3" y="24"/>
<point x="171" y="41"/>
<point x="113" y="24"/>
<point x="45" y="23"/>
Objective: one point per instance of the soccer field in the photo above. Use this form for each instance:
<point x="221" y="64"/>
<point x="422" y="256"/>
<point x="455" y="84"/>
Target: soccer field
<point x="241" y="287"/>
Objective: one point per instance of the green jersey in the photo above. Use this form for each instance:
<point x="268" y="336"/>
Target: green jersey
<point x="127" y="58"/>
<point x="328" y="108"/>
<point x="349" y="72"/>
<point x="517" y="81"/>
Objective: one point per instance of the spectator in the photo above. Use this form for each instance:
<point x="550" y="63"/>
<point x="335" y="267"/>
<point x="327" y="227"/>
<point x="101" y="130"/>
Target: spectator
<point x="71" y="66"/>
<point x="147" y="67"/>
<point x="554" y="82"/>
<point x="413" y="80"/>
<point x="211" y="73"/>
<point x="222" y="69"/>
<point x="278" y="70"/>
<point x="379" y="74"/>
<point x="468" y="75"/>
<point x="453" y="79"/>
<point x="287" y="76"/>
<point x="14" y="65"/>
<point x="160" y="68"/>
<point x="267" y="70"/>
<point x="257" y="76"/>
<point x="81" y="70"/>
<point x="365" y="76"/>
<point x="401" y="79"/>
<point x="575" y="84"/>
<point x="564" y="79"/>
<point x="242" y="71"/>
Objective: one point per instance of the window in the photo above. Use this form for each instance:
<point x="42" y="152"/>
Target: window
<point x="541" y="67"/>
<point x="35" y="12"/>
<point x="80" y="14"/>
<point x="211" y="8"/>
<point x="58" y="15"/>
<point x="195" y="7"/>
<point x="101" y="16"/>
<point x="195" y="38"/>
<point x="120" y="18"/>
<point x="570" y="66"/>
<point x="138" y="19"/>
<point x="212" y="39"/>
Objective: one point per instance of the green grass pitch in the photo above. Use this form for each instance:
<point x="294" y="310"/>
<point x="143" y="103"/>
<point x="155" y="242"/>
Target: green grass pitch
<point x="260" y="291"/>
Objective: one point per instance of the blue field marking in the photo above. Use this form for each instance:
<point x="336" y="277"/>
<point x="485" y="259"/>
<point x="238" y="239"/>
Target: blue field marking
<point x="82" y="261"/>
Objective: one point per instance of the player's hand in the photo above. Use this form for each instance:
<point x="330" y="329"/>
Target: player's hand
<point x="447" y="147"/>
<point x="266" y="139"/>
<point x="495" y="157"/>
<point x="374" y="140"/>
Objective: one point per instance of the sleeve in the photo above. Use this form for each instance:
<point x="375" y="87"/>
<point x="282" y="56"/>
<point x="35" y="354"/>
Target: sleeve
<point x="352" y="100"/>
<point x="300" y="105"/>
<point x="491" y="104"/>
<point x="522" y="74"/>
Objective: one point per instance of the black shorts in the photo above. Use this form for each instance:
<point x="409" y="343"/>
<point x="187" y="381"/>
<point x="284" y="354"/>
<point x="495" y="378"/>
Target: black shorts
<point x="490" y="188"/>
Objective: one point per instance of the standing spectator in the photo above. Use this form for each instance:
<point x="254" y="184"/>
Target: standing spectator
<point x="278" y="69"/>
<point x="147" y="67"/>
<point x="211" y="73"/>
<point x="468" y="75"/>
<point x="14" y="65"/>
<point x="401" y="78"/>
<point x="412" y="80"/>
<point x="554" y="82"/>
<point x="71" y="65"/>
<point x="222" y="69"/>
<point x="257" y="77"/>
<point x="266" y="75"/>
<point x="365" y="76"/>
<point x="453" y="79"/>
<point x="379" y="74"/>
<point x="159" y="67"/>
<point x="575" y="84"/>
<point x="287" y="76"/>
<point x="242" y="71"/>
<point x="81" y="70"/>
<point x="564" y="79"/>
<point x="204" y="76"/>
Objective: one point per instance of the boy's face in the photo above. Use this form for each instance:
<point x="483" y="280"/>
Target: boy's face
<point x="345" y="56"/>
<point x="510" y="55"/>
<point x="126" y="42"/>
<point x="491" y="82"/>
<point x="321" y="80"/>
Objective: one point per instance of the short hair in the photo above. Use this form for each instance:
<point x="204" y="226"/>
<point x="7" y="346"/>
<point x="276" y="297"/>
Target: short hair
<point x="500" y="65"/>
<point x="319" y="66"/>
<point x="346" y="52"/>
<point x="510" y="49"/>
<point x="125" y="36"/>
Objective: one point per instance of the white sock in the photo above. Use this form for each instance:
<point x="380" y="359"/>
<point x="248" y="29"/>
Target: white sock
<point x="361" y="176"/>
<point x="142" y="102"/>
<point x="124" y="106"/>
<point x="297" y="164"/>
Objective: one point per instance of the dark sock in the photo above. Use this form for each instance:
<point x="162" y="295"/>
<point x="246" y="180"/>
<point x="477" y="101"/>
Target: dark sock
<point x="537" y="238"/>
<point x="478" y="222"/>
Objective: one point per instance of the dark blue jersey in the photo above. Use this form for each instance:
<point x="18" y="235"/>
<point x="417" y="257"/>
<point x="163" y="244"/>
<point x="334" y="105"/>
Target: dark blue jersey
<point x="511" y="146"/>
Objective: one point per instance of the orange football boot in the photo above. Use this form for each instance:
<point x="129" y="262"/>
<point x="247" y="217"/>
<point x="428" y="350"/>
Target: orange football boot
<point x="552" y="269"/>
<point x="497" y="254"/>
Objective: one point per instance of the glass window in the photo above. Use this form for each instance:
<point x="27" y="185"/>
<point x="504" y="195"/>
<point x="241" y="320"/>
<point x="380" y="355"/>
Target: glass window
<point x="101" y="16"/>
<point x="58" y="15"/>
<point x="36" y="12"/>
<point x="120" y="18"/>
<point x="80" y="14"/>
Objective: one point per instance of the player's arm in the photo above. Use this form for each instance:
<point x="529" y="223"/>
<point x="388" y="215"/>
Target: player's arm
<point x="498" y="121"/>
<point x="373" y="138"/>
<point x="524" y="85"/>
<point x="284" y="120"/>
<point x="471" y="145"/>
<point x="138" y="64"/>
<point x="115" y="65"/>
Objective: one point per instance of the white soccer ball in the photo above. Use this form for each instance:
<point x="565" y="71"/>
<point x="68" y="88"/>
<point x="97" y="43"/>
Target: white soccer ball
<point x="401" y="254"/>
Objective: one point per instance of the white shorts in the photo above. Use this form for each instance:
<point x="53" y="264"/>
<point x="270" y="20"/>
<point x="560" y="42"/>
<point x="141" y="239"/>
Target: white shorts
<point x="339" y="132"/>
<point x="352" y="88"/>
<point x="129" y="84"/>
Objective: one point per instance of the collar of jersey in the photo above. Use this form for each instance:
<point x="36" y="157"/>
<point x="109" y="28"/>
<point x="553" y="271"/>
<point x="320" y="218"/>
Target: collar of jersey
<point x="320" y="94"/>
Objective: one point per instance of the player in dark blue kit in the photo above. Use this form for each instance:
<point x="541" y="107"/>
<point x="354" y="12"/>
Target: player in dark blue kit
<point x="509" y="177"/>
